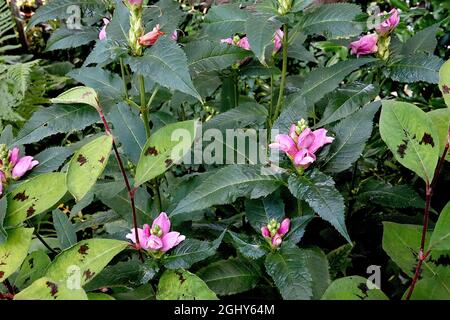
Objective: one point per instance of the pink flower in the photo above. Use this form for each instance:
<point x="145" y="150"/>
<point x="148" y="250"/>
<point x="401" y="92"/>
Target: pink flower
<point x="150" y="38"/>
<point x="135" y="2"/>
<point x="2" y="180"/>
<point x="285" y="143"/>
<point x="23" y="165"/>
<point x="158" y="237"/>
<point x="102" y="34"/>
<point x="302" y="143"/>
<point x="265" y="232"/>
<point x="365" y="45"/>
<point x="284" y="227"/>
<point x="14" y="156"/>
<point x="227" y="41"/>
<point x="274" y="231"/>
<point x="174" y="36"/>
<point x="276" y="240"/>
<point x="388" y="25"/>
<point x="243" y="43"/>
<point x="278" y="40"/>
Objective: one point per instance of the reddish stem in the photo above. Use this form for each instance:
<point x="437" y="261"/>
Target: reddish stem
<point x="426" y="218"/>
<point x="131" y="191"/>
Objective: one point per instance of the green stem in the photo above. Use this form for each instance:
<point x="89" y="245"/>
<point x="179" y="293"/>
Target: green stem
<point x="144" y="110"/>
<point x="283" y="74"/>
<point x="149" y="104"/>
<point x="124" y="79"/>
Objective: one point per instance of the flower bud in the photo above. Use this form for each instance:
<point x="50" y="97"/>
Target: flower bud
<point x="284" y="7"/>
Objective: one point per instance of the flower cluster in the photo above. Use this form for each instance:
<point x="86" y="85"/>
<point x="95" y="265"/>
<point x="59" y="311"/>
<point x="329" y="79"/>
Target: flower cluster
<point x="302" y="143"/>
<point x="371" y="43"/>
<point x="13" y="166"/>
<point x="244" y="44"/>
<point x="158" y="238"/>
<point x="275" y="231"/>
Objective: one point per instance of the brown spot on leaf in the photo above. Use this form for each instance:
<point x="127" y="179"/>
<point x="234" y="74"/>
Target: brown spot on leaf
<point x="151" y="151"/>
<point x="1" y="274"/>
<point x="168" y="162"/>
<point x="445" y="89"/>
<point x="102" y="160"/>
<point x="30" y="211"/>
<point x="427" y="139"/>
<point x="53" y="288"/>
<point x="83" y="249"/>
<point x="401" y="149"/>
<point x="180" y="277"/>
<point x="88" y="274"/>
<point x="81" y="160"/>
<point x="21" y="196"/>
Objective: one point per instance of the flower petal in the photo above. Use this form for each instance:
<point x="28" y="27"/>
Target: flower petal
<point x="163" y="222"/>
<point x="170" y="240"/>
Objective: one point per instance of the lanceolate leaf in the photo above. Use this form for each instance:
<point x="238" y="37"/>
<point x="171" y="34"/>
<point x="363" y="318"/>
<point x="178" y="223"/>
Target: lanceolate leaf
<point x="260" y="30"/>
<point x="166" y="63"/>
<point x="56" y="119"/>
<point x="418" y="67"/>
<point x="352" y="134"/>
<point x="423" y="41"/>
<point x="78" y="95"/>
<point x="344" y="102"/>
<point x="318" y="190"/>
<point x="224" y="21"/>
<point x="14" y="251"/>
<point x="226" y="185"/>
<point x="64" y="229"/>
<point x="64" y="38"/>
<point x="411" y="136"/>
<point x="397" y="196"/>
<point x="34" y="197"/>
<point x="440" y="239"/>
<point x="324" y="80"/>
<point x="191" y="251"/>
<point x="207" y="56"/>
<point x="246" y="115"/>
<point x="333" y="21"/>
<point x="183" y="285"/>
<point x="49" y="289"/>
<point x="402" y="242"/>
<point x="108" y="85"/>
<point x="87" y="165"/>
<point x="129" y="129"/>
<point x="166" y="147"/>
<point x="82" y="262"/>
<point x="434" y="287"/>
<point x="260" y="212"/>
<point x="444" y="82"/>
<point x="288" y="269"/>
<point x="230" y="276"/>
<point x="352" y="288"/>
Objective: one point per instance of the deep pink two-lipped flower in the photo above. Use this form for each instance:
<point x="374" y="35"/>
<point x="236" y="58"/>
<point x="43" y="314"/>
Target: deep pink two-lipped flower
<point x="151" y="37"/>
<point x="158" y="237"/>
<point x="20" y="165"/>
<point x="102" y="34"/>
<point x="275" y="231"/>
<point x="301" y="144"/>
<point x="365" y="45"/>
<point x="389" y="24"/>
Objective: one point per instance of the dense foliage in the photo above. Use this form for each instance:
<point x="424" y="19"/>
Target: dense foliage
<point x="179" y="150"/>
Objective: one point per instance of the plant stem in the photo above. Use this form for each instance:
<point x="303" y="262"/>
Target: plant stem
<point x="124" y="79"/>
<point x="426" y="218"/>
<point x="144" y="110"/>
<point x="38" y="236"/>
<point x="131" y="191"/>
<point x="9" y="287"/>
<point x="149" y="104"/>
<point x="285" y="45"/>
